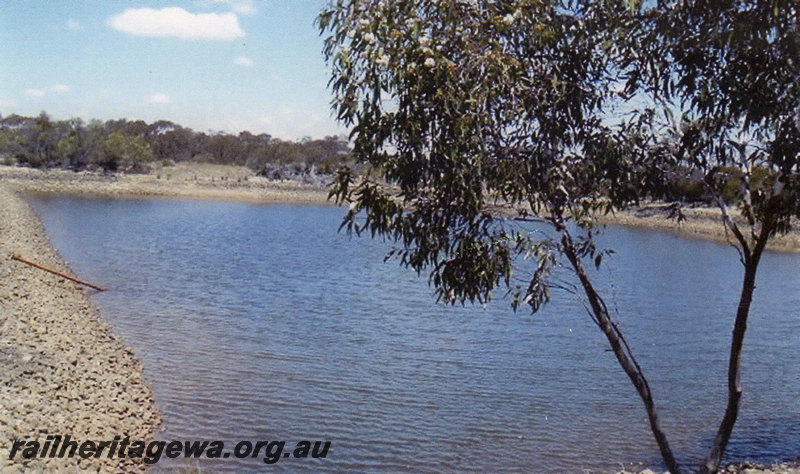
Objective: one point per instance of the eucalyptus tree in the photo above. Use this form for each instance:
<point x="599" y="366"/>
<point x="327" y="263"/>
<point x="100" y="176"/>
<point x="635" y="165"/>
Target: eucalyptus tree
<point x="474" y="115"/>
<point x="130" y="153"/>
<point x="39" y="139"/>
<point x="463" y="108"/>
<point x="727" y="74"/>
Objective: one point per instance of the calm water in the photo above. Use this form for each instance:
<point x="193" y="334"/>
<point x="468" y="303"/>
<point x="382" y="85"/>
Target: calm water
<point x="261" y="322"/>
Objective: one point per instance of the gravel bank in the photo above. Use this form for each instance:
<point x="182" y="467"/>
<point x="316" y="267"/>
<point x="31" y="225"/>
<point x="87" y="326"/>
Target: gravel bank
<point x="744" y="468"/>
<point x="64" y="372"/>
<point x="704" y="223"/>
<point x="184" y="180"/>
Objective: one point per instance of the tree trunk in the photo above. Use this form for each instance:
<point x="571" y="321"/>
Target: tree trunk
<point x="622" y="351"/>
<point x="712" y="461"/>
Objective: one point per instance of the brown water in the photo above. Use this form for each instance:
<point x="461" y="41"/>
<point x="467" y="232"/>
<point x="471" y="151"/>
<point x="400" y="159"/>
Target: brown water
<point x="262" y="323"/>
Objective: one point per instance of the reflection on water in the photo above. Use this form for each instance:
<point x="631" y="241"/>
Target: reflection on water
<point x="261" y="322"/>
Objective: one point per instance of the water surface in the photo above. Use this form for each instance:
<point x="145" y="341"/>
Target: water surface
<point x="261" y="322"/>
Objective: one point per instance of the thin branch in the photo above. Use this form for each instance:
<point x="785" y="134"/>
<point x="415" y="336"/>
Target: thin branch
<point x="532" y="219"/>
<point x="571" y="289"/>
<point x="591" y="315"/>
<point x="733" y="227"/>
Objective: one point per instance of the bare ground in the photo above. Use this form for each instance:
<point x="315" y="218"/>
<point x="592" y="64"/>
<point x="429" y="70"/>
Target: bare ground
<point x="704" y="223"/>
<point x="184" y="180"/>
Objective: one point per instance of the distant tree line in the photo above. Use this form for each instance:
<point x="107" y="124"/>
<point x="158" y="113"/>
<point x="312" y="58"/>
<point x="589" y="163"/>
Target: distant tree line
<point x="131" y="146"/>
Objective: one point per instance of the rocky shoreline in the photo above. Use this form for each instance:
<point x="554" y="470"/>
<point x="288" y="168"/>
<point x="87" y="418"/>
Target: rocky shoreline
<point x="700" y="222"/>
<point x="743" y="468"/>
<point x="64" y="371"/>
<point x="184" y="180"/>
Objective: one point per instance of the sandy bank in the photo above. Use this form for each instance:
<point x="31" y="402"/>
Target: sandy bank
<point x="704" y="223"/>
<point x="184" y="180"/>
<point x="64" y="372"/>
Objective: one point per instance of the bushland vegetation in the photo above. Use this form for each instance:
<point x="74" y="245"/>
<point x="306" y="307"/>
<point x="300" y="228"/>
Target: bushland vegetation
<point x="133" y="146"/>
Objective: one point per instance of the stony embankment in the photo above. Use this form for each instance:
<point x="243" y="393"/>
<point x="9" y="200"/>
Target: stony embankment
<point x="702" y="222"/>
<point x="184" y="180"/>
<point x="744" y="468"/>
<point x="62" y="369"/>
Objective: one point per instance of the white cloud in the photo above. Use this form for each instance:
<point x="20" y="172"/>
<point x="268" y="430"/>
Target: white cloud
<point x="35" y="92"/>
<point x="60" y="88"/>
<point x="243" y="7"/>
<point x="8" y="103"/>
<point x="178" y="23"/>
<point x="243" y="61"/>
<point x="74" y="25"/>
<point x="159" y="98"/>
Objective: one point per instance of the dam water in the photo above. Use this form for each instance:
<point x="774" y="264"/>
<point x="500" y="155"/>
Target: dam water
<point x="261" y="322"/>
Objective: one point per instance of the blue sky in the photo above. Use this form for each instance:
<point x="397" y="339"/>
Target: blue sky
<point x="227" y="65"/>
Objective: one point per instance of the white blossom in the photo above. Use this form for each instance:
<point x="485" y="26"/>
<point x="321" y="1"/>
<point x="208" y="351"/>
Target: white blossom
<point x="430" y="62"/>
<point x="508" y="19"/>
<point x="369" y="38"/>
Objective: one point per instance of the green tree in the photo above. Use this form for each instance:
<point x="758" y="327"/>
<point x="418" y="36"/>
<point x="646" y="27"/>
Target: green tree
<point x="9" y="144"/>
<point x="39" y="140"/>
<point x="126" y="153"/>
<point x="71" y="145"/>
<point x="475" y="115"/>
<point x="170" y="141"/>
<point x="226" y="149"/>
<point x="463" y="108"/>
<point x="729" y="70"/>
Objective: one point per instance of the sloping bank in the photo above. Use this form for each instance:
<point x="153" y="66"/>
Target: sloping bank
<point x="703" y="223"/>
<point x="62" y="369"/>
